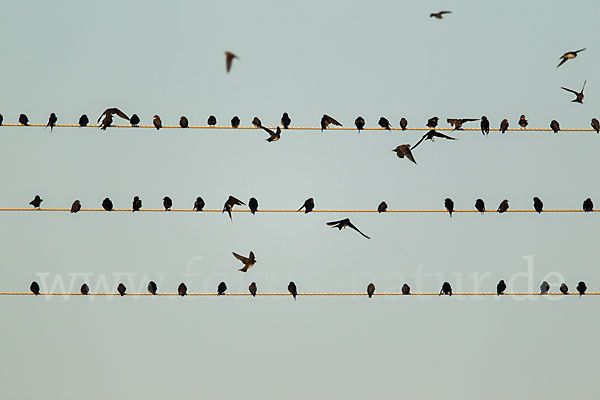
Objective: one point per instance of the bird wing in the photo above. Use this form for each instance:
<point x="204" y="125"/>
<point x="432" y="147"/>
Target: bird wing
<point x="445" y="12"/>
<point x="452" y="121"/>
<point x="419" y="142"/>
<point x="463" y="120"/>
<point x="331" y="120"/>
<point x="120" y="113"/>
<point x="351" y="225"/>
<point x="569" y="90"/>
<point x="441" y="135"/>
<point x="269" y="131"/>
<point x="409" y="155"/>
<point x="334" y="223"/>
<point x="252" y="257"/>
<point x="564" y="60"/>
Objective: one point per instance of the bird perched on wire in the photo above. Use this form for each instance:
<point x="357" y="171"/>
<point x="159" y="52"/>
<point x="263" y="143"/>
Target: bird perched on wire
<point x="581" y="288"/>
<point x="75" y="207"/>
<point x="182" y="289"/>
<point x="221" y="289"/>
<point x="167" y="203"/>
<point x="228" y="206"/>
<point x="405" y="289"/>
<point x="403" y="123"/>
<point x="588" y="205"/>
<point x="480" y="205"/>
<point x="439" y="14"/>
<point x="1" y="119"/>
<point x="157" y="122"/>
<point x="85" y="289"/>
<point x="292" y="289"/>
<point x="152" y="288"/>
<point x="253" y="205"/>
<point x="384" y="123"/>
<point x="568" y="56"/>
<point x="309" y="205"/>
<point x="285" y="120"/>
<point x="503" y="125"/>
<point x="370" y="290"/>
<point x="382" y="207"/>
<point x="432" y="122"/>
<point x="538" y="205"/>
<point x="199" y="204"/>
<point x="136" y="205"/>
<point x="446" y="289"/>
<point x="229" y="56"/>
<point x="111" y="111"/>
<point x="23" y="120"/>
<point x="52" y="121"/>
<point x="273" y="136"/>
<point x="135" y="120"/>
<point x="107" y="204"/>
<point x="596" y="125"/>
<point x="564" y="289"/>
<point x="404" y="150"/>
<point x="457" y="123"/>
<point x="431" y="135"/>
<point x="449" y="204"/>
<point x="523" y="122"/>
<point x="341" y="224"/>
<point x="503" y="207"/>
<point x="501" y="287"/>
<point x="359" y="122"/>
<point x="106" y="122"/>
<point x="121" y="289"/>
<point x="544" y="287"/>
<point x="84" y="120"/>
<point x="212" y="120"/>
<point x="326" y="120"/>
<point x="183" y="122"/>
<point x="485" y="126"/>
<point x="555" y="126"/>
<point x="247" y="261"/>
<point x="36" y="202"/>
<point x="256" y="122"/>
<point x="578" y="95"/>
<point x="235" y="121"/>
<point x="35" y="288"/>
<point x="252" y="288"/>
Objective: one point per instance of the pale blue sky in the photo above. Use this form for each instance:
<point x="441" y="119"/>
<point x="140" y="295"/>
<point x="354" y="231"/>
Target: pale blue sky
<point x="307" y="58"/>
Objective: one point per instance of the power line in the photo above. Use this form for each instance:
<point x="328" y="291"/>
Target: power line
<point x="213" y="210"/>
<point x="303" y="294"/>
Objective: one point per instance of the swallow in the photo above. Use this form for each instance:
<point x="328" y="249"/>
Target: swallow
<point x="36" y="202"/>
<point x="121" y="289"/>
<point x="501" y="287"/>
<point x="247" y="261"/>
<point x="84" y="120"/>
<point x="183" y="122"/>
<point x="403" y="123"/>
<point x="432" y="122"/>
<point x="182" y="289"/>
<point x="579" y="95"/>
<point x="480" y="205"/>
<point x="253" y="205"/>
<point x="431" y="135"/>
<point x="167" y="203"/>
<point x="273" y="136"/>
<point x="457" y="123"/>
<point x="446" y="289"/>
<point x="538" y="205"/>
<point x="35" y="288"/>
<point x="256" y="122"/>
<point x="523" y="122"/>
<point x="341" y="224"/>
<point x="85" y="289"/>
<point x="309" y="205"/>
<point x="52" y="121"/>
<point x="564" y="289"/>
<point x="382" y="207"/>
<point x="252" y="289"/>
<point x="405" y="289"/>
<point x="503" y="206"/>
<point x="235" y="121"/>
<point x="370" y="290"/>
<point x="199" y="204"/>
<point x="544" y="287"/>
<point x="23" y="120"/>
<point x="1" y="119"/>
<point x="449" y="204"/>
<point x="75" y="207"/>
<point x="359" y="122"/>
<point x="485" y="125"/>
<point x="228" y="206"/>
<point x="503" y="125"/>
<point x="152" y="288"/>
<point x="212" y="120"/>
<point x="221" y="289"/>
<point x="285" y="120"/>
<point x="326" y="120"/>
<point x="581" y="288"/>
<point x="567" y="56"/>
<point x="404" y="150"/>
<point x="107" y="204"/>
<point x="136" y="205"/>
<point x="111" y="111"/>
<point x="384" y="123"/>
<point x="157" y="122"/>
<point x="588" y="205"/>
<point x="555" y="126"/>
<point x="229" y="56"/>
<point x="106" y="122"/>
<point x="292" y="289"/>
<point x="439" y="14"/>
<point x="596" y="125"/>
<point x="135" y="120"/>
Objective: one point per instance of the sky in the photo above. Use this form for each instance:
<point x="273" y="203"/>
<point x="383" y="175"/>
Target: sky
<point x="309" y="58"/>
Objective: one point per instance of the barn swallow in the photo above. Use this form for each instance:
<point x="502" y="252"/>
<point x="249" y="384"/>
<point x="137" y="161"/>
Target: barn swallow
<point x="309" y="205"/>
<point x="252" y="289"/>
<point x="405" y="289"/>
<point x="183" y="122"/>
<point x="439" y="14"/>
<point x="432" y="122"/>
<point x="212" y="120"/>
<point x="182" y="289"/>
<point x="111" y="111"/>
<point x="555" y="126"/>
<point x="431" y="135"/>
<point x="136" y="204"/>
<point x="404" y="151"/>
<point x="523" y="122"/>
<point x="567" y="56"/>
<point x="199" y="204"/>
<point x="228" y="206"/>
<point x="457" y="123"/>
<point x="480" y="205"/>
<point x="85" y="289"/>
<point x="538" y="205"/>
<point x="382" y="207"/>
<point x="449" y="204"/>
<point x="446" y="289"/>
<point x="544" y="287"/>
<point x="384" y="123"/>
<point x="23" y="120"/>
<point x="229" y="56"/>
<point x="106" y="122"/>
<point x="504" y="125"/>
<point x="157" y="122"/>
<point x="221" y="289"/>
<point x="285" y="120"/>
<point x="107" y="204"/>
<point x="35" y="288"/>
<point x="581" y="288"/>
<point x="52" y="121"/>
<point x="256" y="122"/>
<point x="253" y="205"/>
<point x="503" y="206"/>
<point x="588" y="205"/>
<point x="121" y="289"/>
<point x="135" y="120"/>
<point x="564" y="289"/>
<point x="359" y="122"/>
<point x="403" y="123"/>
<point x="292" y="289"/>
<point x="326" y="120"/>
<point x="341" y="224"/>
<point x="247" y="261"/>
<point x="485" y="125"/>
<point x="579" y="95"/>
<point x="152" y="288"/>
<point x="596" y="125"/>
<point x="84" y="120"/>
<point x="36" y="202"/>
<point x="235" y="122"/>
<point x="167" y="203"/>
<point x="75" y="207"/>
<point x="273" y="136"/>
<point x="501" y="287"/>
<point x="370" y="290"/>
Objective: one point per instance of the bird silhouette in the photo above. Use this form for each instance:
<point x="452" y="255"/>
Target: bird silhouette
<point x="167" y="203"/>
<point x="199" y="204"/>
<point x="326" y="120"/>
<point x="136" y="205"/>
<point x="253" y="205"/>
<point x="382" y="207"/>
<point x="501" y="287"/>
<point x="405" y="289"/>
<point x="273" y="136"/>
<point x="581" y="288"/>
<point x="121" y="289"/>
<point x="432" y="122"/>
<point x="596" y="125"/>
<point x="84" y="120"/>
<point x="106" y="122"/>
<point x="446" y="289"/>
<point x="544" y="288"/>
<point x="431" y="135"/>
<point x="157" y="122"/>
<point x="384" y="123"/>
<point x="235" y="121"/>
<point x="439" y="14"/>
<point x="252" y="289"/>
<point x="36" y="202"/>
<point x="555" y="126"/>
<point x="404" y="150"/>
<point x="228" y="206"/>
<point x="75" y="207"/>
<point x="359" y="122"/>
<point x="212" y="120"/>
<point x="370" y="290"/>
<point x="285" y="120"/>
<point x="503" y="206"/>
<point x="23" y="120"/>
<point x="309" y="205"/>
<point x="485" y="126"/>
<point x="564" y="289"/>
<point x="183" y="122"/>
<point x="578" y="95"/>
<point x="568" y="56"/>
<point x="182" y="289"/>
<point x="107" y="204"/>
<point x="503" y="125"/>
<point x="256" y="122"/>
<point x="480" y="205"/>
<point x="112" y="111"/>
<point x="152" y="288"/>
<point x="292" y="289"/>
<point x="221" y="289"/>
<point x="52" y="121"/>
<point x="457" y="123"/>
<point x="35" y="288"/>
<point x="1" y="119"/>
<point x="449" y="204"/>
<point x="588" y="205"/>
<point x="538" y="205"/>
<point x="135" y="120"/>
<point x="84" y="289"/>
<point x="341" y="224"/>
<point x="403" y="123"/>
<point x="523" y="122"/>
<point x="229" y="56"/>
<point x="247" y="261"/>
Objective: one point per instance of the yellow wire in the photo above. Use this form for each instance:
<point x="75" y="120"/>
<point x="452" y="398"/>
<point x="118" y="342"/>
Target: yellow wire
<point x="304" y="294"/>
<point x="213" y="210"/>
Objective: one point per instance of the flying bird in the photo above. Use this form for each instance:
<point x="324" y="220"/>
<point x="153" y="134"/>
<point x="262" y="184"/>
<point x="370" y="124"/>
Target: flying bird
<point x="564" y="289"/>
<point x="247" y="261"/>
<point x="107" y="204"/>
<point x="431" y="135"/>
<point x="384" y="123"/>
<point x="370" y="290"/>
<point x="449" y="204"/>
<point x="229" y="56"/>
<point x="221" y="289"/>
<point x="157" y="122"/>
<point x="182" y="289"/>
<point x="432" y="122"/>
<point x="75" y="207"/>
<point x="581" y="288"/>
<point x="503" y="206"/>
<point x="504" y="125"/>
<point x="292" y="289"/>
<point x="52" y="121"/>
<point x="252" y="289"/>
<point x="578" y="95"/>
<point x="501" y="287"/>
<point x="167" y="203"/>
<point x="404" y="150"/>
<point x="111" y="111"/>
<point x="36" y="202"/>
<point x="538" y="205"/>
<point x="23" y="120"/>
<point x="273" y="136"/>
<point x="555" y="126"/>
<point x="199" y="204"/>
<point x="446" y="289"/>
<point x="135" y="120"/>
<point x="439" y="14"/>
<point x="121" y="289"/>
<point x="588" y="205"/>
<point x="568" y="56"/>
<point x="212" y="120"/>
<point x="253" y="205"/>
<point x="285" y="120"/>
<point x="136" y="205"/>
<point x="544" y="287"/>
<point x="84" y="120"/>
<point x="480" y="205"/>
<point x="85" y="289"/>
<point x="235" y="121"/>
<point x="359" y="122"/>
<point x="35" y="288"/>
<point x="326" y="120"/>
<point x="341" y="224"/>
<point x="405" y="289"/>
<point x="183" y="122"/>
<point x="228" y="206"/>
<point x="256" y="122"/>
<point x="309" y="205"/>
<point x="152" y="288"/>
<point x="485" y="125"/>
<point x="403" y="123"/>
<point x="523" y="122"/>
<point x="457" y="123"/>
<point x="596" y="125"/>
<point x="382" y="207"/>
